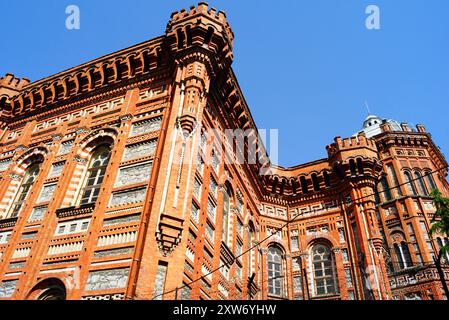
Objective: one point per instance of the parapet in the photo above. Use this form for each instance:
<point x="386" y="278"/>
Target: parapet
<point x="347" y="144"/>
<point x="9" y="81"/>
<point x="202" y="9"/>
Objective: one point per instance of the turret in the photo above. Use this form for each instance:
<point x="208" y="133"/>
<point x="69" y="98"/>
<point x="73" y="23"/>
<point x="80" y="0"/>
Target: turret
<point x="10" y="86"/>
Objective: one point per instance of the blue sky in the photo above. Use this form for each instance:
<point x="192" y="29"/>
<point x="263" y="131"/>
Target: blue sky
<point x="305" y="66"/>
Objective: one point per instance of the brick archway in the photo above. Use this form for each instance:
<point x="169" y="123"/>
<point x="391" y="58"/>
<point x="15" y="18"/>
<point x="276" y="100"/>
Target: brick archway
<point x="48" y="289"/>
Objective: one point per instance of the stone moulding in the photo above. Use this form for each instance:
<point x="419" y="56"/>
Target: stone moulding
<point x="75" y="211"/>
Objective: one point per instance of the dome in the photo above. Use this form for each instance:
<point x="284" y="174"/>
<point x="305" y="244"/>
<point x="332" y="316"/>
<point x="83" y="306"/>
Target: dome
<point x="371" y="120"/>
<point x="371" y="125"/>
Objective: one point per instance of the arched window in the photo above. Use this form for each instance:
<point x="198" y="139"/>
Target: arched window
<point x="403" y="255"/>
<point x="315" y="182"/>
<point x="421" y="185"/>
<point x="304" y="187"/>
<point x="323" y="270"/>
<point x="360" y="166"/>
<point x="385" y="189"/>
<point x="275" y="271"/>
<point x="352" y="167"/>
<point x="327" y="180"/>
<point x="430" y="182"/>
<point x="95" y="174"/>
<point x="225" y="214"/>
<point x="441" y="243"/>
<point x="409" y="183"/>
<point x="30" y="176"/>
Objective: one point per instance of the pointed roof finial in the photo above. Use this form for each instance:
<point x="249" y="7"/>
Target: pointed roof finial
<point x="367" y="108"/>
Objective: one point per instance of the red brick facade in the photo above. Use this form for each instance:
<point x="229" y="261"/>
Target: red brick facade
<point x="119" y="182"/>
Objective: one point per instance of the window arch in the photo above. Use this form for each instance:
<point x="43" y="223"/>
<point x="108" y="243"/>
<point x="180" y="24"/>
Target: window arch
<point x="29" y="178"/>
<point x="410" y="185"/>
<point x="324" y="274"/>
<point x="421" y="185"/>
<point x="275" y="271"/>
<point x="95" y="174"/>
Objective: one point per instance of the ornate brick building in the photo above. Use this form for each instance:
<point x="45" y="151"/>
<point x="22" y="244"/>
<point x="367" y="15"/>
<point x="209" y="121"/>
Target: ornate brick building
<point x="119" y="182"/>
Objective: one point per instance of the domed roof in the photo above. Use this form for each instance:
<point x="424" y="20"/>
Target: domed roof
<point x="371" y="120"/>
<point x="371" y="125"/>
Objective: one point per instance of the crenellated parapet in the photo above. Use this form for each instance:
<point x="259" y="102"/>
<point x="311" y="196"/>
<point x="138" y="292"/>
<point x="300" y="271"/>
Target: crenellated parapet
<point x="10" y="86"/>
<point x="354" y="157"/>
<point x="201" y="29"/>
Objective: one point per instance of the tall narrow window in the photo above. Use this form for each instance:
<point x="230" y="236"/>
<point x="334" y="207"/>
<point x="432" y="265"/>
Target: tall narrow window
<point x="95" y="174"/>
<point x="410" y="185"/>
<point x="225" y="215"/>
<point x="421" y="185"/>
<point x="275" y="271"/>
<point x="27" y="183"/>
<point x="316" y="184"/>
<point x="430" y="182"/>
<point x="250" y="253"/>
<point x="327" y="180"/>
<point x="403" y="255"/>
<point x="360" y="166"/>
<point x="394" y="178"/>
<point x="352" y="167"/>
<point x="323" y="270"/>
<point x="385" y="189"/>
<point x="304" y="187"/>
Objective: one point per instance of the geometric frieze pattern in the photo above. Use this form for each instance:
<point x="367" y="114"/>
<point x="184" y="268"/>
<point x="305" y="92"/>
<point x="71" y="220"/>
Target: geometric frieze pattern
<point x="107" y="279"/>
<point x="134" y="174"/>
<point x="117" y="296"/>
<point x="403" y="280"/>
<point x="127" y="197"/>
<point x="146" y="126"/>
<point x="79" y="114"/>
<point x="7" y="288"/>
<point x="140" y="150"/>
